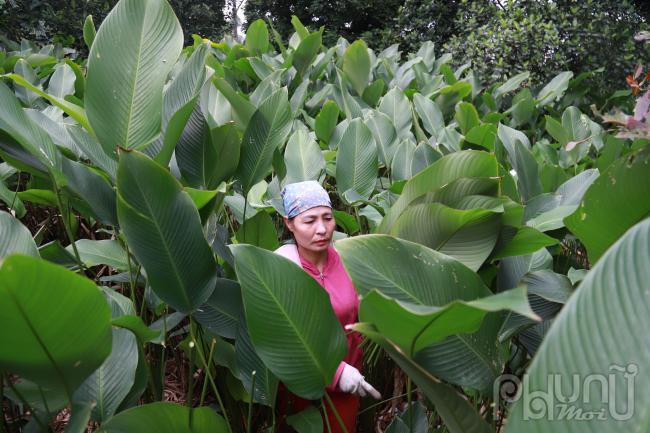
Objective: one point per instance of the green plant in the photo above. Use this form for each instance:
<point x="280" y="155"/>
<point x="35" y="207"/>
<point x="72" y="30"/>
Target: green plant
<point x="160" y="170"/>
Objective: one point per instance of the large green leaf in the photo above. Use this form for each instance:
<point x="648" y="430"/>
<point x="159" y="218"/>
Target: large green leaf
<point x="303" y="158"/>
<point x="465" y="164"/>
<point x="223" y="309"/>
<point x="356" y="65"/>
<point x="383" y="131"/>
<point x="547" y="292"/>
<point x="401" y="167"/>
<point x="613" y="203"/>
<point x="522" y="160"/>
<point x="163" y="229"/>
<point x="247" y="362"/>
<point x="257" y="37"/>
<point x="112" y="381"/>
<point x="351" y="107"/>
<point x="259" y="231"/>
<point x="308" y="420"/>
<point x="11" y="199"/>
<point x="415" y="274"/>
<point x="326" y="121"/>
<point x="555" y="88"/>
<point x="466" y="235"/>
<point x="163" y="417"/>
<point x="242" y="109"/>
<point x="266" y="88"/>
<point x="290" y="320"/>
<point x="135" y="48"/>
<point x="93" y="187"/>
<point x="483" y="135"/>
<point x="61" y="82"/>
<point x="266" y="131"/>
<point x="206" y="157"/>
<point x="454" y="409"/>
<point x="93" y="150"/>
<point x="466" y="116"/>
<point x="513" y="83"/>
<point x="59" y="320"/>
<point x="430" y="114"/>
<point x="415" y="326"/>
<point x="16" y="238"/>
<point x="397" y="107"/>
<point x="573" y="354"/>
<point x="26" y="132"/>
<point x="521" y="241"/>
<point x="178" y="104"/>
<point x="306" y="52"/>
<point x="75" y="111"/>
<point x="356" y="162"/>
<point x="547" y="211"/>
<point x="103" y="252"/>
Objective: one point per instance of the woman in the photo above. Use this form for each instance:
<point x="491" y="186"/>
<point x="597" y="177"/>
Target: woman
<point x="310" y="219"/>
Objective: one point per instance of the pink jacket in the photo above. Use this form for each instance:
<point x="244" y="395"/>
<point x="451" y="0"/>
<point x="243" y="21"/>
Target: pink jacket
<point x="345" y="302"/>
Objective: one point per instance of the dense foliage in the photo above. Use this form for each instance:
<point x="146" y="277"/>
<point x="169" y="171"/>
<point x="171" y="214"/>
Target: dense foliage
<point x="499" y="39"/>
<point x="546" y="37"/>
<point x="61" y="21"/>
<point x="350" y="19"/>
<point x="488" y="229"/>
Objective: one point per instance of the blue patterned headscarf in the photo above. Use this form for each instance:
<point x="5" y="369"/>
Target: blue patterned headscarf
<point x="301" y="196"/>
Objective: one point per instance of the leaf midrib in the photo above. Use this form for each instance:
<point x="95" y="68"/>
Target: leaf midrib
<point x="163" y="241"/>
<point x="315" y="359"/>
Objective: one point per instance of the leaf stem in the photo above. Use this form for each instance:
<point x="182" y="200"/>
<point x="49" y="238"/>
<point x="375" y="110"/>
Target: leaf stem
<point x="205" y="379"/>
<point x="250" y="402"/>
<point x="190" y="377"/>
<point x="66" y="223"/>
<point x="336" y="413"/>
<point x="409" y="400"/>
<point x="131" y="280"/>
<point x="327" y="420"/>
<point x="212" y="383"/>
<point x="382" y="402"/>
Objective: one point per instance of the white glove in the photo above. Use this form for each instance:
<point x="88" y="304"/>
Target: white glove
<point x="352" y="382"/>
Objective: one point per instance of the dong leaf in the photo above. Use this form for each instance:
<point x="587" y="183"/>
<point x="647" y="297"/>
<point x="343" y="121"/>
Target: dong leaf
<point x="257" y="37"/>
<point x="178" y="104"/>
<point x="356" y="162"/>
<point x="266" y="131"/>
<point x="163" y="417"/>
<point x="59" y="320"/>
<point x="356" y="65"/>
<point x="454" y="409"/>
<point x="15" y="122"/>
<point x="616" y="355"/>
<point x="135" y="48"/>
<point x="16" y="238"/>
<point x="413" y="273"/>
<point x="290" y="320"/>
<point x="414" y="326"/>
<point x="613" y="203"/>
<point x="163" y="229"/>
<point x="467" y="235"/>
<point x="458" y="165"/>
<point x="111" y="382"/>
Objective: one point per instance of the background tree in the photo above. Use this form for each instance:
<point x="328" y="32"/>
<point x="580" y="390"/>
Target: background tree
<point x="430" y="20"/>
<point x="62" y="20"/>
<point x="371" y="20"/>
<point x="546" y="37"/>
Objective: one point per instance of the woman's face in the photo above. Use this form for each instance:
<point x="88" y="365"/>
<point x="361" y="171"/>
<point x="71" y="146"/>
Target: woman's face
<point x="313" y="228"/>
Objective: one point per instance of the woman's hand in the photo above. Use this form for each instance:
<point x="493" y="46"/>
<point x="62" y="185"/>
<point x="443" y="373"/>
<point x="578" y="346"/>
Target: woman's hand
<point x="353" y="382"/>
